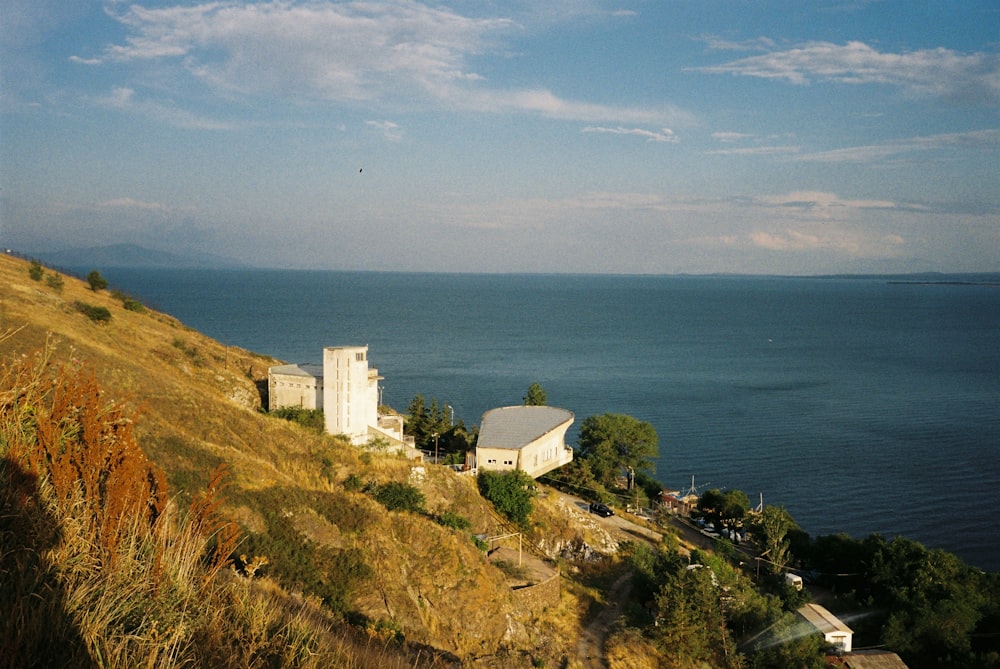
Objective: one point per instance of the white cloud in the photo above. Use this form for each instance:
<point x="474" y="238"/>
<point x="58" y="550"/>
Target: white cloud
<point x="130" y="203"/>
<point x="720" y="44"/>
<point x="390" y="130"/>
<point x="983" y="139"/>
<point x="753" y="151"/>
<point x="817" y="200"/>
<point x="937" y="72"/>
<point x="389" y="51"/>
<point x="731" y="136"/>
<point x="323" y="49"/>
<point x="123" y="98"/>
<point x="853" y="243"/>
<point x="665" y="135"/>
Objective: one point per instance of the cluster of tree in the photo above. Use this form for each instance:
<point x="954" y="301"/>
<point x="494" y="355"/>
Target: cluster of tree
<point x="724" y="509"/>
<point x="702" y="611"/>
<point x="614" y="460"/>
<point x="433" y="427"/>
<point x="926" y="605"/>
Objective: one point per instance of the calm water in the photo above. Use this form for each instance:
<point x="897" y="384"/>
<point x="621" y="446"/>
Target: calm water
<point x="860" y="405"/>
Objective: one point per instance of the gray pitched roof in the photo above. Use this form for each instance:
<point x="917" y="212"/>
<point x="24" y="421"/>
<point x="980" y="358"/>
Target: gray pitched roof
<point x="517" y="426"/>
<point x="305" y="370"/>
<point x="823" y="620"/>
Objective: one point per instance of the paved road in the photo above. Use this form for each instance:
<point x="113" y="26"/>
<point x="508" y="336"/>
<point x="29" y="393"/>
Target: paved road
<point x="618" y="525"/>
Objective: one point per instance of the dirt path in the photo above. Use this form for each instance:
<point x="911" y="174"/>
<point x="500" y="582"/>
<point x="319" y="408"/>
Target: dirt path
<point x="590" y="647"/>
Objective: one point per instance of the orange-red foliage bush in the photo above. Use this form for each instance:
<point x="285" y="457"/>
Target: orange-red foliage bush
<point x="60" y="427"/>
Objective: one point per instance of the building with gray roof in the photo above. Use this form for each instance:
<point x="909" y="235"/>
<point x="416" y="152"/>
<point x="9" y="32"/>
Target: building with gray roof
<point x="529" y="438"/>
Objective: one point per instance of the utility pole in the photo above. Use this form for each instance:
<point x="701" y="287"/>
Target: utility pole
<point x="435" y="448"/>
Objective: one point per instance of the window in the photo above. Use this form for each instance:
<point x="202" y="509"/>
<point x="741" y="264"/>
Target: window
<point x="360" y="357"/>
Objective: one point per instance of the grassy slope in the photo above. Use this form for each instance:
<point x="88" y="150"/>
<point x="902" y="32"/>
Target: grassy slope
<point x="199" y="404"/>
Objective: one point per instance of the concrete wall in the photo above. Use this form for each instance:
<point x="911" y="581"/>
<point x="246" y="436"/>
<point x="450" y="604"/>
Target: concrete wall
<point x="546" y="453"/>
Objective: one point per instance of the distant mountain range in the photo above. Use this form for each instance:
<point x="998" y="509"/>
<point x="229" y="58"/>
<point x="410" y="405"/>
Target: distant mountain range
<point x="130" y="255"/>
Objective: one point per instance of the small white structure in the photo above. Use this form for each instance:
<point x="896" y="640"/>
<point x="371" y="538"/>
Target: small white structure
<point x="793" y="580"/>
<point x="346" y="389"/>
<point x="529" y="438"/>
<point x="295" y="386"/>
<point x="834" y="631"/>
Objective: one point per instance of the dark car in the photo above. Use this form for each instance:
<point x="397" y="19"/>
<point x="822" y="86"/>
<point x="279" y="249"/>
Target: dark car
<point x="601" y="509"/>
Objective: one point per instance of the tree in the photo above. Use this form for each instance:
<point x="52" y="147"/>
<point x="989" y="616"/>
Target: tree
<point x="96" y="281"/>
<point x="692" y="629"/>
<point x="724" y="508"/>
<point x="423" y="422"/>
<point x="510" y="492"/>
<point x="535" y="396"/>
<point x="35" y="271"/>
<point x="773" y="524"/>
<point x="611" y="442"/>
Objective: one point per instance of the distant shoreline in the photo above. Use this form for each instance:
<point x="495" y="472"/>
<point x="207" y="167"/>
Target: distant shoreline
<point x="953" y="282"/>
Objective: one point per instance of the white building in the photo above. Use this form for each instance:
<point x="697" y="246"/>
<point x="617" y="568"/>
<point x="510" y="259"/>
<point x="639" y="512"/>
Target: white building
<point x="347" y="391"/>
<point x="350" y="392"/>
<point x="529" y="438"/>
<point x="295" y="386"/>
<point x="834" y="631"/>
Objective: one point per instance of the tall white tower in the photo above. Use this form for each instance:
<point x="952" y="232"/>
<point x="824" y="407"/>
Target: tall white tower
<point x="350" y="392"/>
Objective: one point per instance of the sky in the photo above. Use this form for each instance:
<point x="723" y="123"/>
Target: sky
<point x="582" y="136"/>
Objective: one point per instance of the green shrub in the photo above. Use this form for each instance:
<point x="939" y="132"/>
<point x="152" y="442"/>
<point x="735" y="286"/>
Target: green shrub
<point x="299" y="563"/>
<point x="55" y="281"/>
<point x="308" y="418"/>
<point x="397" y="496"/>
<point x="35" y="271"/>
<point x="129" y="302"/>
<point x="510" y="492"/>
<point x="96" y="281"/>
<point x="454" y="521"/>
<point x="353" y="483"/>
<point x="94" y="313"/>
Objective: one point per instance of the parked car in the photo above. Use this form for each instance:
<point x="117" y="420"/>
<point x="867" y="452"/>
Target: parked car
<point x="602" y="510"/>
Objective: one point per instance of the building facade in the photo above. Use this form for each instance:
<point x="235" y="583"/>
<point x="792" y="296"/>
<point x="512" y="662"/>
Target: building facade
<point x="350" y="392"/>
<point x="298" y="386"/>
<point x="529" y="438"/>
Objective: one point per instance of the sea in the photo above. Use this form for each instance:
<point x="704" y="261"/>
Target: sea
<point x="860" y="404"/>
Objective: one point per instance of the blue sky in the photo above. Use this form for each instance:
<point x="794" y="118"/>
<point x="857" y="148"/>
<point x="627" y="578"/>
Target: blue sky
<point x="633" y="136"/>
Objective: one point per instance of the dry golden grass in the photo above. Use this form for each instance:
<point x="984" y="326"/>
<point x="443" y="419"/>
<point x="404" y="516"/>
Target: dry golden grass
<point x="195" y="407"/>
<point x="96" y="569"/>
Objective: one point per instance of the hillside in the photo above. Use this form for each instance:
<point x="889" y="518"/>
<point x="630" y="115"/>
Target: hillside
<point x="399" y="575"/>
